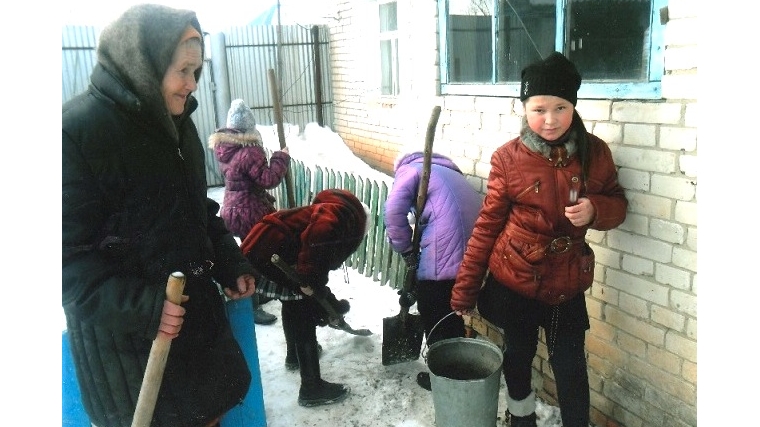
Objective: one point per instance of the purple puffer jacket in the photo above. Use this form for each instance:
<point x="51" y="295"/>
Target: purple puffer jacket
<point x="247" y="176"/>
<point x="447" y="219"/>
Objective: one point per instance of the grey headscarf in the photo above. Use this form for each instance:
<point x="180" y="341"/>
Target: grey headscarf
<point x="138" y="47"/>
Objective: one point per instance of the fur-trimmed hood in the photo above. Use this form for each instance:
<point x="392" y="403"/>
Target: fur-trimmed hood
<point x="226" y="142"/>
<point x="234" y="137"/>
<point x="315" y="238"/>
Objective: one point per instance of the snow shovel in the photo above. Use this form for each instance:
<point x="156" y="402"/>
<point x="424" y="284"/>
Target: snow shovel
<point x="159" y="351"/>
<point x="402" y="333"/>
<point x="336" y="320"/>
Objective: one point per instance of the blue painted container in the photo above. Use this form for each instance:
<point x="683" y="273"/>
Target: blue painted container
<point x="251" y="412"/>
<point x="73" y="412"/>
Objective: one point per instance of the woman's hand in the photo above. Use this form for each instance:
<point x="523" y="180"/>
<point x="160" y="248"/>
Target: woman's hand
<point x="581" y="213"/>
<point x="172" y="318"/>
<point x="464" y="312"/>
<point x="246" y="285"/>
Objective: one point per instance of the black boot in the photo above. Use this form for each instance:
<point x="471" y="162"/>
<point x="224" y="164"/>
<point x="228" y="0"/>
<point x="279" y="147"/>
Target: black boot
<point x="291" y="359"/>
<point x="526" y="421"/>
<point x="314" y="390"/>
<point x="289" y="329"/>
<point x="423" y="380"/>
<point x="261" y="317"/>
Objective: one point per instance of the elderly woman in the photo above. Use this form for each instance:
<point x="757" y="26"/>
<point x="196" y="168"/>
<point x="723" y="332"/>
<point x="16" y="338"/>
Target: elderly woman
<point x="134" y="211"/>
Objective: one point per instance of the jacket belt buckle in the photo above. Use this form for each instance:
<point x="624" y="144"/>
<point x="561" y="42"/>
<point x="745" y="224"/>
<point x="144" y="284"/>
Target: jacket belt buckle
<point x="560" y="245"/>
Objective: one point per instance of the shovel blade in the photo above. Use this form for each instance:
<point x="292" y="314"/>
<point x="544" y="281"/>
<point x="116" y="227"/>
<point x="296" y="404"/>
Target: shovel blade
<point x="402" y="338"/>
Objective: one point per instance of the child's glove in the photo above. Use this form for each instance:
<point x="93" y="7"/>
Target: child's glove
<point x="412" y="259"/>
<point x="407" y="299"/>
<point x="340" y="306"/>
<point x="319" y="314"/>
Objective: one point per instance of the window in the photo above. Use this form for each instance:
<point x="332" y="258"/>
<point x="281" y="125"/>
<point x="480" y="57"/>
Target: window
<point x="616" y="44"/>
<point x="389" y="83"/>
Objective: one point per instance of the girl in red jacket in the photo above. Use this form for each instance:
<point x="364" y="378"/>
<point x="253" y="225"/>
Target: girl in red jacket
<point x="546" y="188"/>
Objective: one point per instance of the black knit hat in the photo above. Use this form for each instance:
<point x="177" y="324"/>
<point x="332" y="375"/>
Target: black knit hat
<point x="555" y="75"/>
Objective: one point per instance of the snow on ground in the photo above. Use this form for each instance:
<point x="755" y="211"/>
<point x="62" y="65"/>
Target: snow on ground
<point x="381" y="396"/>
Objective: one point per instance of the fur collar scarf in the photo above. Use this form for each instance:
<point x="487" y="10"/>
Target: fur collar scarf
<point x="539" y="145"/>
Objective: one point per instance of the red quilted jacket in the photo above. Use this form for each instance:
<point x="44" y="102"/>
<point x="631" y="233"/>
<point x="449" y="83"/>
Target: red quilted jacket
<point x="522" y="235"/>
<point x="315" y="239"/>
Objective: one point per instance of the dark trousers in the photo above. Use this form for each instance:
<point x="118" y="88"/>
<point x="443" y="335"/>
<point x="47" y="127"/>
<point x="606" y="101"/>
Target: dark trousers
<point x="298" y="322"/>
<point x="565" y="328"/>
<point x="434" y="303"/>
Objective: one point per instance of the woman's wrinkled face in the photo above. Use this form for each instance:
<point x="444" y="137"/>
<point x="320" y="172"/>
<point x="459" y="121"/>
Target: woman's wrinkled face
<point x="179" y="80"/>
<point x="548" y="116"/>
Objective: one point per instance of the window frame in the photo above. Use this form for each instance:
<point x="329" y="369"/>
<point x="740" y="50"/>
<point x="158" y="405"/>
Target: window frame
<point x="590" y="89"/>
<point x="393" y="38"/>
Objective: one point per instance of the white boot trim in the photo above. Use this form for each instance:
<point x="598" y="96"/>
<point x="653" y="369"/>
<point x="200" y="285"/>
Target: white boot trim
<point x="522" y="408"/>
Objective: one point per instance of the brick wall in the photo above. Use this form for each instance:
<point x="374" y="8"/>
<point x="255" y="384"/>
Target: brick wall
<point x="642" y="345"/>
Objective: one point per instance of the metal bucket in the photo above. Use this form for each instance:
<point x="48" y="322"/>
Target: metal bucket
<point x="465" y="376"/>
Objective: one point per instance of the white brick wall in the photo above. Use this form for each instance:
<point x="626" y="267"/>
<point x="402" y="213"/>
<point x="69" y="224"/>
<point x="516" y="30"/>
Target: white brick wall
<point x="643" y="305"/>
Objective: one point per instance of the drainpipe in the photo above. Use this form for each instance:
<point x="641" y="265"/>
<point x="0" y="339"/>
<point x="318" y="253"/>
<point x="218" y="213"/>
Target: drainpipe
<point x="220" y="80"/>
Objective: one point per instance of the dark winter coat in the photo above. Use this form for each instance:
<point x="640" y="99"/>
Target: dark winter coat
<point x="134" y="211"/>
<point x="315" y="239"/>
<point x="522" y="234"/>
<point x="247" y="176"/>
<point x="446" y="222"/>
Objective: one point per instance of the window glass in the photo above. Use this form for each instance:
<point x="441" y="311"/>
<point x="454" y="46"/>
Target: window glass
<point x="616" y="44"/>
<point x="388" y="17"/>
<point x="609" y="39"/>
<point x="388" y="66"/>
<point x="469" y="41"/>
<point x="389" y="80"/>
<point x="526" y="33"/>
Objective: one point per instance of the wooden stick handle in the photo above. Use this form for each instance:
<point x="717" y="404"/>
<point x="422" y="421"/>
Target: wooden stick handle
<point x="159" y="351"/>
<point x="275" y="92"/>
<point x="410" y="278"/>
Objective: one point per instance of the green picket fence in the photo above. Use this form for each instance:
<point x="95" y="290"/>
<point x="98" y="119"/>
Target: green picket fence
<point x="374" y="258"/>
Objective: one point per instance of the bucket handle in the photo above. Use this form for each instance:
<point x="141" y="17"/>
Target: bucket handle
<point x="426" y="347"/>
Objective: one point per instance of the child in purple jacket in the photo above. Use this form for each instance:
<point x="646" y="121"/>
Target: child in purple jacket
<point x="446" y="221"/>
<point x="247" y="176"/>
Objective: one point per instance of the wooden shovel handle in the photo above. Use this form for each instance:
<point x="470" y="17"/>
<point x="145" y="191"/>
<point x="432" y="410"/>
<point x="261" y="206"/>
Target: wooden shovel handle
<point x="410" y="278"/>
<point x="277" y="106"/>
<point x="159" y="351"/>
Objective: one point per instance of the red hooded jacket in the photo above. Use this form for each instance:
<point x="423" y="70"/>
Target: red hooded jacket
<point x="315" y="239"/>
